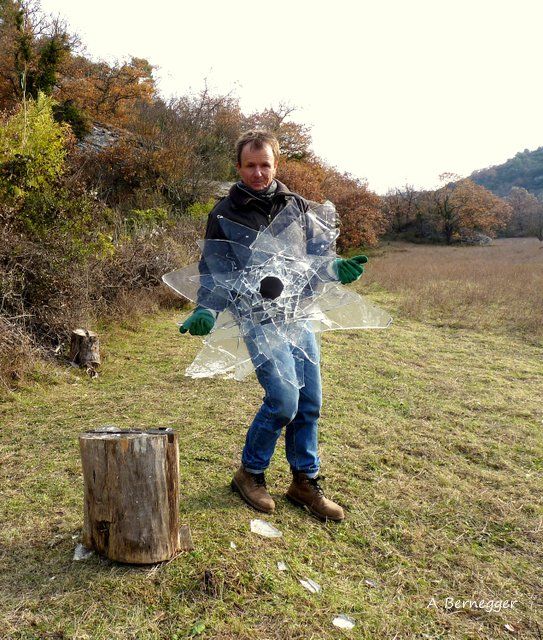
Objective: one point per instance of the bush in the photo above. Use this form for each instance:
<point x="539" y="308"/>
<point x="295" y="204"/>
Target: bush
<point x="70" y="113"/>
<point x="47" y="291"/>
<point x="359" y="210"/>
<point x="17" y="353"/>
<point x="200" y="210"/>
<point x="32" y="153"/>
<point x="65" y="258"/>
<point x="141" y="221"/>
<point x="120" y="174"/>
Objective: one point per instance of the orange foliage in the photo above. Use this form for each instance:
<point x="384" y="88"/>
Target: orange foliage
<point x="172" y="151"/>
<point x="303" y="177"/>
<point x="294" y="138"/>
<point x="465" y="206"/>
<point x="108" y="93"/>
<point x="361" y="219"/>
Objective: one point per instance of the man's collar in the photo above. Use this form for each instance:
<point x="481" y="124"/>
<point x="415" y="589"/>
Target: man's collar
<point x="241" y="196"/>
<point x="265" y="194"/>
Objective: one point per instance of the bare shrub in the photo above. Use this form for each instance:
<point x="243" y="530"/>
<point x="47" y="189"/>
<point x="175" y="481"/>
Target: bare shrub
<point x="45" y="292"/>
<point x="139" y="263"/>
<point x="17" y="353"/>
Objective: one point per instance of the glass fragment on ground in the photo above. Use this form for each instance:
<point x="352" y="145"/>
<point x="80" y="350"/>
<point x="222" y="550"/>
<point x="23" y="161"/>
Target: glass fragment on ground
<point x="343" y="622"/>
<point x="82" y="553"/>
<point x="263" y="528"/>
<point x="311" y="585"/>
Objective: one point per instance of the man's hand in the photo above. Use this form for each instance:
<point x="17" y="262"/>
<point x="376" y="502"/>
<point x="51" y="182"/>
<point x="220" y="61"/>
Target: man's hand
<point x="350" y="269"/>
<point x="199" y="323"/>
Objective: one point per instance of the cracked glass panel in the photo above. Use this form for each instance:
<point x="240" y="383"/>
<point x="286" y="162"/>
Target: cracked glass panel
<point x="270" y="289"/>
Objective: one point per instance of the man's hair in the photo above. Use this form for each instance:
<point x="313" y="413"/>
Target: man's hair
<point x="257" y="138"/>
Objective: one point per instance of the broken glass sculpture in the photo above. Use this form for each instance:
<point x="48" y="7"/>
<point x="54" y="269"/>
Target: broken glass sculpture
<point x="270" y="289"/>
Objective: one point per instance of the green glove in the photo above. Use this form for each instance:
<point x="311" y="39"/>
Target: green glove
<point x="350" y="269"/>
<point x="199" y="323"/>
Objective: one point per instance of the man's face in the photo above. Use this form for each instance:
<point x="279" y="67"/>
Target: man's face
<point x="257" y="167"/>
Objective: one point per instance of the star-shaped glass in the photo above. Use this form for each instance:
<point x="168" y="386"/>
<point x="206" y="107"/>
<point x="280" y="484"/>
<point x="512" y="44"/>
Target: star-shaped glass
<point x="270" y="288"/>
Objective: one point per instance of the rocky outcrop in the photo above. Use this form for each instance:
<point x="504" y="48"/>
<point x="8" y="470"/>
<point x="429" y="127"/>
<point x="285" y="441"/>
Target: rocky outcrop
<point x="221" y="189"/>
<point x="104" y="136"/>
<point x="101" y="137"/>
<point x="473" y="237"/>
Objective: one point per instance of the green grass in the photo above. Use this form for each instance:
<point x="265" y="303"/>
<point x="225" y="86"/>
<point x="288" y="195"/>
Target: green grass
<point x="430" y="438"/>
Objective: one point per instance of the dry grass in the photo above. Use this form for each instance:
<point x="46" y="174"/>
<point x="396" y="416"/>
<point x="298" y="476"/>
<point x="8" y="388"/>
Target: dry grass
<point x="498" y="287"/>
<point x="430" y="438"/>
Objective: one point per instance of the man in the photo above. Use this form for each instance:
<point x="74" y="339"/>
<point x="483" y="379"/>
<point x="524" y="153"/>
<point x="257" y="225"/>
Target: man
<point x="254" y="202"/>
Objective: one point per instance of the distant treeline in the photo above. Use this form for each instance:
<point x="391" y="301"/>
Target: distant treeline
<point x="461" y="210"/>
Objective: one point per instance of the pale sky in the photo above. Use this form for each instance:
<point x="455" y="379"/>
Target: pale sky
<point x="395" y="91"/>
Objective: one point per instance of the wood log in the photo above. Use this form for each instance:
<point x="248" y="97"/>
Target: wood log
<point x="131" y="493"/>
<point x="85" y="348"/>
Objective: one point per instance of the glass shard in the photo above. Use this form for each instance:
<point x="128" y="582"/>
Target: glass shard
<point x="271" y="288"/>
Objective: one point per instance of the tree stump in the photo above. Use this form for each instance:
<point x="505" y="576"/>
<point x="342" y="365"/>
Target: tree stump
<point x="131" y="493"/>
<point x="85" y="349"/>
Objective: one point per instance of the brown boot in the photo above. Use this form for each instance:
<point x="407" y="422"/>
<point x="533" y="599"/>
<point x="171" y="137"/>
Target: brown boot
<point x="306" y="492"/>
<point x="252" y="488"/>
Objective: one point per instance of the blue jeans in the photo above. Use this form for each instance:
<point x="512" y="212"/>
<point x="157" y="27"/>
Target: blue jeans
<point x="284" y="405"/>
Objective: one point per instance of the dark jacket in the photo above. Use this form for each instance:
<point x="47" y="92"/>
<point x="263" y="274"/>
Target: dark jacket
<point x="242" y="207"/>
<point x="245" y="208"/>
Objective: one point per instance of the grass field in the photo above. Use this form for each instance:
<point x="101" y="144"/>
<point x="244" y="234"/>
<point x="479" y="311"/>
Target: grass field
<point x="497" y="287"/>
<point x="431" y="438"/>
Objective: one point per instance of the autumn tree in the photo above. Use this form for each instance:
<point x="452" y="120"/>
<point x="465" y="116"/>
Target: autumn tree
<point x="401" y="208"/>
<point x="33" y="48"/>
<point x="305" y="177"/>
<point x="175" y="150"/>
<point x="108" y="92"/>
<point x="294" y="138"/>
<point x="461" y="205"/>
<point x="526" y="212"/>
<point x="361" y="219"/>
<point x="195" y="141"/>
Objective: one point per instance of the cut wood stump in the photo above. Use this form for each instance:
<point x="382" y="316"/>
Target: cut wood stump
<point x="131" y="494"/>
<point x="85" y="350"/>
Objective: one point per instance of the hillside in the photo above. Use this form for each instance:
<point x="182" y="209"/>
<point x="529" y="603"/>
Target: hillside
<point x="524" y="170"/>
